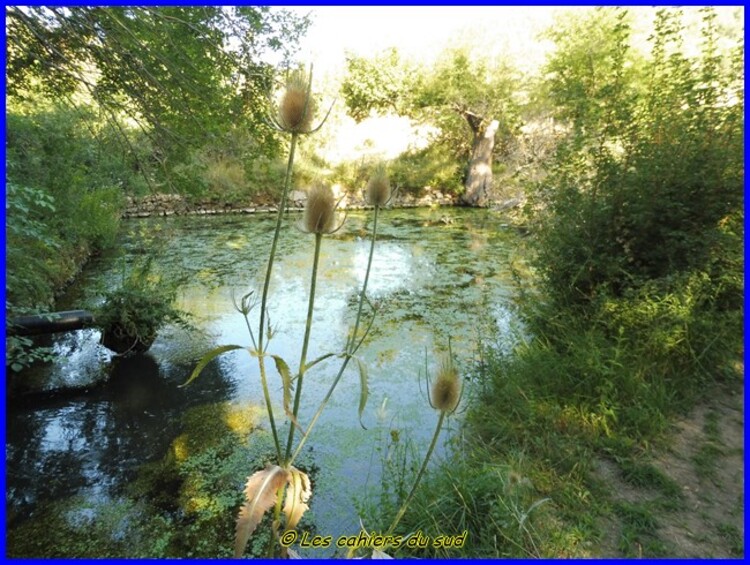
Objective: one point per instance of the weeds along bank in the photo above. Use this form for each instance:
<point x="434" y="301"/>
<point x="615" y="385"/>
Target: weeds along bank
<point x="637" y="312"/>
<point x="637" y="309"/>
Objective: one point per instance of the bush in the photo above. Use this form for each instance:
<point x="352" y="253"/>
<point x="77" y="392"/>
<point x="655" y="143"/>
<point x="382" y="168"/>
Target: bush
<point x="434" y="166"/>
<point x="132" y="314"/>
<point x="641" y="193"/>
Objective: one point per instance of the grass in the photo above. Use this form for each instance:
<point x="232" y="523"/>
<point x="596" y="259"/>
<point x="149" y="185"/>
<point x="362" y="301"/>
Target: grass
<point x="542" y="413"/>
<point x="638" y="537"/>
<point x="708" y="455"/>
<point x="706" y="460"/>
<point x="733" y="535"/>
<point x="642" y="474"/>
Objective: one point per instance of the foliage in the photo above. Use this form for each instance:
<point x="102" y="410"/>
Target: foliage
<point x="63" y="198"/>
<point x="462" y="86"/>
<point x="617" y="212"/>
<point x="61" y="205"/>
<point x="378" y="84"/>
<point x="29" y="242"/>
<point x="134" y="59"/>
<point x="133" y="313"/>
<point x="434" y="166"/>
<point x="638" y="311"/>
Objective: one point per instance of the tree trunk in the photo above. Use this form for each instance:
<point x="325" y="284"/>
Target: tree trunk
<point x="479" y="178"/>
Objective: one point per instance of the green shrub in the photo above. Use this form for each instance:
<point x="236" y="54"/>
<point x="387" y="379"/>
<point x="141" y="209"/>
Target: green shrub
<point x="434" y="166"/>
<point x="133" y="313"/>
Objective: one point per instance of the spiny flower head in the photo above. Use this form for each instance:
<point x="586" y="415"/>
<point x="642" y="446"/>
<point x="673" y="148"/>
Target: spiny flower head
<point x="378" y="187"/>
<point x="319" y="210"/>
<point x="446" y="390"/>
<point x="297" y="105"/>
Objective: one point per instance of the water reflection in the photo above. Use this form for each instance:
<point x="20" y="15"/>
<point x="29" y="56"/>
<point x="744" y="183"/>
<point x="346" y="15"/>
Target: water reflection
<point x="431" y="280"/>
<point x="93" y="442"/>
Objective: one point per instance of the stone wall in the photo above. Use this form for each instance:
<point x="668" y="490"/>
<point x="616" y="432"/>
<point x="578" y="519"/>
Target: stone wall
<point x="178" y="205"/>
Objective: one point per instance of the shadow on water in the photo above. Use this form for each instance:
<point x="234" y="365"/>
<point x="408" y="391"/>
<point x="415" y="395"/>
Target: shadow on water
<point x="92" y="426"/>
<point x="94" y="439"/>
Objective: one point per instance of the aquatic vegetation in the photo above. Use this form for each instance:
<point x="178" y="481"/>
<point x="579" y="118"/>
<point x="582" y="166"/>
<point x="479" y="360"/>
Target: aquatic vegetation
<point x="133" y="313"/>
<point x="280" y="486"/>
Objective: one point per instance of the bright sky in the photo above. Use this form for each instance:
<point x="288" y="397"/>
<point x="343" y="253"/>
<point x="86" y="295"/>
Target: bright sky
<point x="418" y="31"/>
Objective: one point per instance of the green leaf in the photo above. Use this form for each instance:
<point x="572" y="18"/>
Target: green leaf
<point x="207" y="358"/>
<point x="16" y="367"/>
<point x="314" y="362"/>
<point x="286" y="379"/>
<point x="363" y="389"/>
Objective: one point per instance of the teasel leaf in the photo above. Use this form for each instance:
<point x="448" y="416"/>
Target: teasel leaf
<point x="363" y="391"/>
<point x="206" y="359"/>
<point x="297" y="494"/>
<point x="260" y="493"/>
<point x="295" y="422"/>
<point x="314" y="362"/>
<point x="286" y="380"/>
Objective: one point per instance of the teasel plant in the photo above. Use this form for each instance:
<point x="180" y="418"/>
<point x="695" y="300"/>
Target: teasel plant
<point x="266" y="489"/>
<point x="378" y="194"/>
<point x="444" y="396"/>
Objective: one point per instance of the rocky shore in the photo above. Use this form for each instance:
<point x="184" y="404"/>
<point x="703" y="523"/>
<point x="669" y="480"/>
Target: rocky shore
<point x="178" y="205"/>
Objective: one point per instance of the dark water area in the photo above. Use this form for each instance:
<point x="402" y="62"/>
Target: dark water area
<point x="437" y="274"/>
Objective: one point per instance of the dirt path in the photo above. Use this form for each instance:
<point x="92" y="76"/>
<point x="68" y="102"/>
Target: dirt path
<point x="687" y="501"/>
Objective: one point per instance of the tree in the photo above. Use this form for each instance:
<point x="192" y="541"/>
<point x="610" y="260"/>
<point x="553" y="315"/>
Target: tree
<point x="649" y="182"/>
<point x="459" y="90"/>
<point x="185" y="75"/>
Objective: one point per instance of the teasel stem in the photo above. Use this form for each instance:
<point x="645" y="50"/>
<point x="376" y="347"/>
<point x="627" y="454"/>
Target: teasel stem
<point x="305" y="343"/>
<point x="351" y="348"/>
<point x="405" y="505"/>
<point x="264" y="299"/>
<point x="275" y="524"/>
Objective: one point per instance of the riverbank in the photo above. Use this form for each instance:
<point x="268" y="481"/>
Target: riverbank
<point x="179" y="205"/>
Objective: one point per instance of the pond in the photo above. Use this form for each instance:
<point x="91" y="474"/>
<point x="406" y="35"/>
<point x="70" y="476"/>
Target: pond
<point x="438" y="274"/>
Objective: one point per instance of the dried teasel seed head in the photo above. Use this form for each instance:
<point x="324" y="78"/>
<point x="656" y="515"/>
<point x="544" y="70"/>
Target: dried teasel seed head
<point x="378" y="187"/>
<point x="297" y="105"/>
<point x="319" y="209"/>
<point x="446" y="390"/>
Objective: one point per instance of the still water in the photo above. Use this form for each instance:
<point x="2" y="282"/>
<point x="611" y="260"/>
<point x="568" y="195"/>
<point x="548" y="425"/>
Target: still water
<point x="436" y="274"/>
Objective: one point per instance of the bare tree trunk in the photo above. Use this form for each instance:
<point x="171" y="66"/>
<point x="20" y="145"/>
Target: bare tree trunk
<point x="479" y="178"/>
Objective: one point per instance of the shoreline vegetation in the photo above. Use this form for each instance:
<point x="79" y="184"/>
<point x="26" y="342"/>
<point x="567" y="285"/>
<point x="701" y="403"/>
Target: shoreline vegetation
<point x="630" y="185"/>
<point x="176" y="205"/>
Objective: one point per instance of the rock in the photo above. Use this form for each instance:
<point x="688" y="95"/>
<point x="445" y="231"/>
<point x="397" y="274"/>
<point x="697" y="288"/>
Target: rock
<point x="508" y="204"/>
<point x="298" y="196"/>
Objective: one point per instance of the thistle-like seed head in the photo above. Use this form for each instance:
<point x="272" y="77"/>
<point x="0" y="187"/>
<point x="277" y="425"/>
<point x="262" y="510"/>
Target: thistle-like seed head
<point x="378" y="187"/>
<point x="446" y="390"/>
<point x="319" y="210"/>
<point x="297" y="105"/>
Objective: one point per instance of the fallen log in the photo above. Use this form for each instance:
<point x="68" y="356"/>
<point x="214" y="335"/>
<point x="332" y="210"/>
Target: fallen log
<point x="54" y="322"/>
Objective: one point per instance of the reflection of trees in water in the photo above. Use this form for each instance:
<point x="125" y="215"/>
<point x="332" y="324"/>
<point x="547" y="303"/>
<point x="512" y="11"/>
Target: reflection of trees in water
<point x="97" y="441"/>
